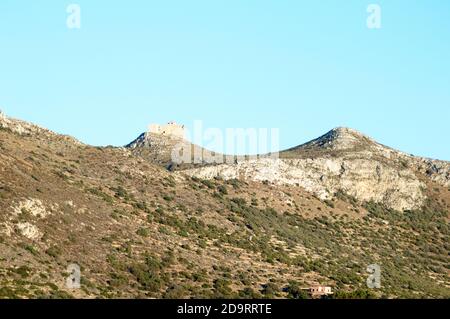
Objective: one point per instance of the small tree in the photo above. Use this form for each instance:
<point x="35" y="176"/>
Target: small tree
<point x="294" y="291"/>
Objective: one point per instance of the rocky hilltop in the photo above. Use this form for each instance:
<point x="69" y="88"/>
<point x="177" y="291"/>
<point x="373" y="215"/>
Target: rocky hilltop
<point x="343" y="160"/>
<point x="23" y="128"/>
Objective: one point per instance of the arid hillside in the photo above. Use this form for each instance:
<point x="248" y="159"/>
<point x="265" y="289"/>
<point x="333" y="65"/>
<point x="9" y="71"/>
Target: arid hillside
<point x="139" y="229"/>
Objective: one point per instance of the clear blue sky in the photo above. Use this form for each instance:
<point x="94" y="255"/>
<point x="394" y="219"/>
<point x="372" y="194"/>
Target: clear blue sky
<point x="302" y="66"/>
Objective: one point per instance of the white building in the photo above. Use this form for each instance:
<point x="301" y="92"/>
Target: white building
<point x="318" y="291"/>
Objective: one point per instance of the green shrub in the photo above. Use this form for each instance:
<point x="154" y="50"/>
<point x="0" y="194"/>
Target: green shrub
<point x="54" y="251"/>
<point x="144" y="232"/>
<point x="357" y="294"/>
<point x="208" y="183"/>
<point x="222" y="190"/>
<point x="270" y="290"/>
<point x="168" y="198"/>
<point x="294" y="292"/>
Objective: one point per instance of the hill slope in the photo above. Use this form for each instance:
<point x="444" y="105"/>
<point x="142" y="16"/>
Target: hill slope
<point x="139" y="230"/>
<point x="344" y="160"/>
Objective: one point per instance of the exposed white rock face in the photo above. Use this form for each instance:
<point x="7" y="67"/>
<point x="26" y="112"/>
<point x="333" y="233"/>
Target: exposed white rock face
<point x="29" y="231"/>
<point x="364" y="179"/>
<point x="17" y="126"/>
<point x="438" y="171"/>
<point x="342" y="160"/>
<point x="33" y="206"/>
<point x="35" y="209"/>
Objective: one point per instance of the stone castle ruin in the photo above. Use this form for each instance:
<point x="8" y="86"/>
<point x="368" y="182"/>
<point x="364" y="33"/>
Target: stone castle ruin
<point x="170" y="129"/>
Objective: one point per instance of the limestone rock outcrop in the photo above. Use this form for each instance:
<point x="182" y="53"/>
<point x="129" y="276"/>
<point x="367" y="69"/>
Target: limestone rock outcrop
<point x="343" y="160"/>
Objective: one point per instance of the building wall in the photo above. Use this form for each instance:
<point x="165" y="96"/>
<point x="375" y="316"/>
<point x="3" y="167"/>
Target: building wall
<point x="170" y="129"/>
<point x="321" y="290"/>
